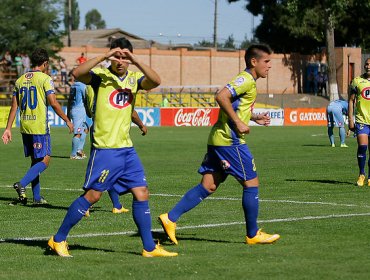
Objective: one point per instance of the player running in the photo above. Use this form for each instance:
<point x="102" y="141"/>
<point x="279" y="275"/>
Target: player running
<point x="227" y="152"/>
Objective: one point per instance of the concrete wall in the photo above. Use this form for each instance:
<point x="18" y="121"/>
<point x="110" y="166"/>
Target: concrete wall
<point x="183" y="67"/>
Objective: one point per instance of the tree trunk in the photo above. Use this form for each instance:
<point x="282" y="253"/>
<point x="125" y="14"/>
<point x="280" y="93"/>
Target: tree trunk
<point x="332" y="71"/>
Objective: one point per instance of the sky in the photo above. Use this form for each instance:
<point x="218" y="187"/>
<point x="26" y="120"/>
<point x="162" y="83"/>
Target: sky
<point x="174" y="21"/>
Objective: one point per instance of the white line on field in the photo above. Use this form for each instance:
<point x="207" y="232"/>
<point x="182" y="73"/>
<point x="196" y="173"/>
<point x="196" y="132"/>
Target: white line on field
<point x="227" y="198"/>
<point x="87" y="235"/>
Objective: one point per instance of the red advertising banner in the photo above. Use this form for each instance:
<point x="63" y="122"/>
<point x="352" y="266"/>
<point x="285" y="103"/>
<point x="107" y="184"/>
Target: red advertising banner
<point x="189" y="116"/>
<point x="305" y="116"/>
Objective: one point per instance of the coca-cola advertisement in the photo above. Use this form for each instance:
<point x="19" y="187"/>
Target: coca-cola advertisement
<point x="189" y="116"/>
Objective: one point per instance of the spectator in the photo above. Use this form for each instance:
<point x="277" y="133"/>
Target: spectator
<point x="322" y="78"/>
<point x="26" y="63"/>
<point x="18" y="64"/>
<point x="81" y="59"/>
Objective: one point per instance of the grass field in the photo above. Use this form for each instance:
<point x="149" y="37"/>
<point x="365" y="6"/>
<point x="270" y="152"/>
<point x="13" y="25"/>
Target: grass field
<point x="307" y="195"/>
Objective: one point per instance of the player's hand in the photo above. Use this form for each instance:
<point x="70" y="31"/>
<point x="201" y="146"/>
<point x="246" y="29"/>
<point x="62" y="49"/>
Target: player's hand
<point x="144" y="130"/>
<point x="242" y="128"/>
<point x="7" y="136"/>
<point x="70" y="127"/>
<point x="263" y="119"/>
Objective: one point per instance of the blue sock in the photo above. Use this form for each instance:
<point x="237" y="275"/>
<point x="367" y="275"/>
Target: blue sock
<point x="36" y="189"/>
<point x="331" y="135"/>
<point x="361" y="158"/>
<point x="81" y="144"/>
<point x="250" y="206"/>
<point x="74" y="214"/>
<point x="143" y="221"/>
<point x="114" y="197"/>
<point x="342" y="135"/>
<point x="75" y="143"/>
<point x="32" y="173"/>
<point x="191" y="199"/>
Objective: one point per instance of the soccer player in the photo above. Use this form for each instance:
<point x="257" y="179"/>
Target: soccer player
<point x="334" y="114"/>
<point x="227" y="152"/>
<point x="359" y="103"/>
<point x="113" y="159"/>
<point x="33" y="92"/>
<point x="77" y="113"/>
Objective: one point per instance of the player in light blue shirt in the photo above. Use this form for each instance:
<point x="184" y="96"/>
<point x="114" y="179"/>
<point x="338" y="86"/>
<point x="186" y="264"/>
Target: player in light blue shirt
<point x="77" y="113"/>
<point x="334" y="113"/>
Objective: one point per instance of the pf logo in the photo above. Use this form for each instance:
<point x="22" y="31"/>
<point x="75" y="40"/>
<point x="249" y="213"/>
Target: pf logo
<point x="121" y="98"/>
<point x="365" y="93"/>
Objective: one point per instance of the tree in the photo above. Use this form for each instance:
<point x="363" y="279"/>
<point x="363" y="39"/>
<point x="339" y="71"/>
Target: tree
<point x="26" y="25"/>
<point x="306" y="26"/>
<point x="229" y="43"/>
<point x="93" y="20"/>
<point x="75" y="13"/>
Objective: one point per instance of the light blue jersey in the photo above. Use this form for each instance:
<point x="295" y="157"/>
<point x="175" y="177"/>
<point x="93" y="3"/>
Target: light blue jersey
<point x="335" y="111"/>
<point x="78" y="95"/>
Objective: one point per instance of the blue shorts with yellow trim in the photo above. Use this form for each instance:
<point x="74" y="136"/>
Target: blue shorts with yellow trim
<point x="36" y="146"/>
<point x="236" y="161"/>
<point x="120" y="169"/>
<point x="361" y="128"/>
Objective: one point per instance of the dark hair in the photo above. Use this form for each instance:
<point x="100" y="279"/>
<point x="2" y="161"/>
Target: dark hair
<point x="255" y="51"/>
<point x="39" y="56"/>
<point x="122" y="43"/>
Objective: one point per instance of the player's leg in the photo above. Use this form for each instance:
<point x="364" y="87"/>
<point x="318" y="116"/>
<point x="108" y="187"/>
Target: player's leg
<point x="331" y="135"/>
<point x="362" y="143"/>
<point x="38" y="147"/>
<point x="78" y="123"/>
<point x="117" y="206"/>
<point x="75" y="213"/>
<point x="35" y="183"/>
<point x="331" y="124"/>
<point x="143" y="221"/>
<point x="342" y="136"/>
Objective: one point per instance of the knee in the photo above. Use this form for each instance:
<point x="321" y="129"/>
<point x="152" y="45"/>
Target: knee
<point x="141" y="193"/>
<point x="92" y="196"/>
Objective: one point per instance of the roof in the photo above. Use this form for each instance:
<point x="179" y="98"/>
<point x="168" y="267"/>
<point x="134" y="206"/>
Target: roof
<point x="101" y="38"/>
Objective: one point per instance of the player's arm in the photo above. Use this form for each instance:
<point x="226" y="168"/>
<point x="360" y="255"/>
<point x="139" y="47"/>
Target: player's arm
<point x="223" y="99"/>
<point x="351" y="104"/>
<point x="136" y="120"/>
<point x="56" y="106"/>
<point x="151" y="79"/>
<point x="69" y="105"/>
<point x="262" y="119"/>
<point x="7" y="135"/>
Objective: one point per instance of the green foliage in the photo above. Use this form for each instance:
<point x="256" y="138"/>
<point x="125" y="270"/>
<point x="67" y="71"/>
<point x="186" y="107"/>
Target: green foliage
<point x="300" y="25"/>
<point x="26" y="25"/>
<point x="75" y="13"/>
<point x="307" y="195"/>
<point x="229" y="43"/>
<point x="93" y="20"/>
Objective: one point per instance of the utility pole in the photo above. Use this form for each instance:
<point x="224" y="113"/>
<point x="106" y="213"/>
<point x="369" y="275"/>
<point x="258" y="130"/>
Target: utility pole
<point x="215" y="27"/>
<point x="69" y="22"/>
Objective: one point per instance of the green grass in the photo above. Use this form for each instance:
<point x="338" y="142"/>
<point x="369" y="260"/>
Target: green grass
<point x="307" y="194"/>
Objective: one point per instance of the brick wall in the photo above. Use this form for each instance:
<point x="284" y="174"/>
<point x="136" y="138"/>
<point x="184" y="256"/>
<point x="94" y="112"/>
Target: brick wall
<point x="184" y="67"/>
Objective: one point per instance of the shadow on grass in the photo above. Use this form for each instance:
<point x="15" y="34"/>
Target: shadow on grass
<point x="315" y="145"/>
<point x="331" y="182"/>
<point x="60" y="156"/>
<point x="43" y="245"/>
<point x="13" y="202"/>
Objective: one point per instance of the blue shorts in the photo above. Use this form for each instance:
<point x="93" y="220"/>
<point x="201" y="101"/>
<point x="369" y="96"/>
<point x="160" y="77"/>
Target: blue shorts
<point x="118" y="168"/>
<point x="335" y="116"/>
<point x="36" y="146"/>
<point x="361" y="128"/>
<point x="234" y="160"/>
<point x="79" y="120"/>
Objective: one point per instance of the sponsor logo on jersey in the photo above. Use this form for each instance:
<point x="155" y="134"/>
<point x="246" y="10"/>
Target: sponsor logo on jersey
<point x="28" y="75"/>
<point x="121" y="98"/>
<point x="365" y="93"/>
